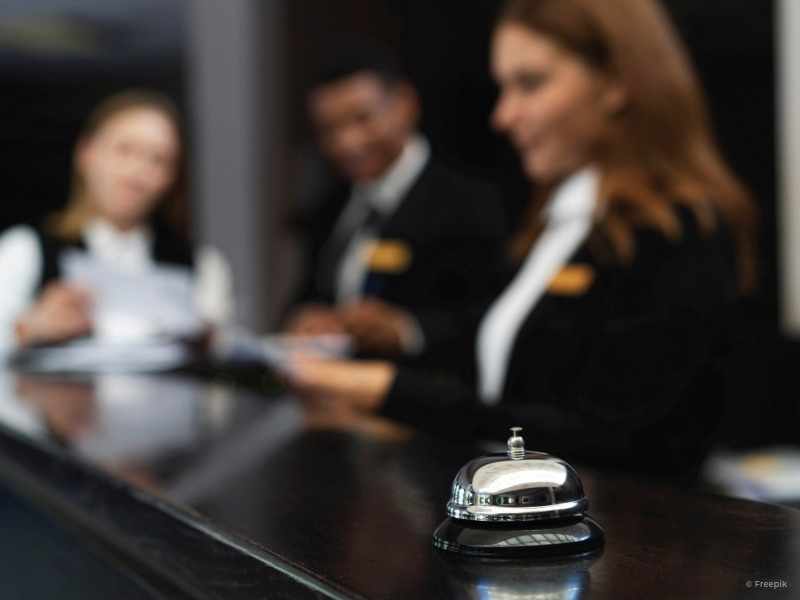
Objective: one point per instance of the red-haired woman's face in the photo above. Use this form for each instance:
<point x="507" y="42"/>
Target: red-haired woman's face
<point x="553" y="106"/>
<point x="129" y="164"/>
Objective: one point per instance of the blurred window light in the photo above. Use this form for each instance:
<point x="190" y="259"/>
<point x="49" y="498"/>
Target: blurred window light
<point x="102" y="33"/>
<point x="58" y="36"/>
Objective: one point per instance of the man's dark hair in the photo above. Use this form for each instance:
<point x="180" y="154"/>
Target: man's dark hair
<point x="364" y="57"/>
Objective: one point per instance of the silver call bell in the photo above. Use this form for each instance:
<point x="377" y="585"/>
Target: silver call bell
<point x="518" y="503"/>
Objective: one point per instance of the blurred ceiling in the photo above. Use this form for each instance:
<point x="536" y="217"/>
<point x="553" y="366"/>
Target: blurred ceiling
<point x="56" y="34"/>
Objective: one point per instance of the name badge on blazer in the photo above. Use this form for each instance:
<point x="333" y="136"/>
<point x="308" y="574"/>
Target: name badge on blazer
<point x="389" y="257"/>
<point x="573" y="279"/>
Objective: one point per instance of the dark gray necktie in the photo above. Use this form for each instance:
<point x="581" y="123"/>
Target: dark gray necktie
<point x="333" y="252"/>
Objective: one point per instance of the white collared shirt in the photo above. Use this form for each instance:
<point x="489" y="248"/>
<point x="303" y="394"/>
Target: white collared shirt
<point x="21" y="265"/>
<point x="570" y="213"/>
<point x="384" y="196"/>
<point x="129" y="250"/>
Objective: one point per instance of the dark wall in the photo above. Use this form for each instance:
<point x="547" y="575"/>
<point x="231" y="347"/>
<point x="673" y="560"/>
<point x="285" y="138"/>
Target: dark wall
<point x="732" y="42"/>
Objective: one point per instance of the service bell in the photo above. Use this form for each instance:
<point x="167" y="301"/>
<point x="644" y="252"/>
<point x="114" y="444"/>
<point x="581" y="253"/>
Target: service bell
<point x="518" y="503"/>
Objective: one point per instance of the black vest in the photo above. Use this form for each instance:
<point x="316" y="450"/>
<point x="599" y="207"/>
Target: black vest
<point x="167" y="248"/>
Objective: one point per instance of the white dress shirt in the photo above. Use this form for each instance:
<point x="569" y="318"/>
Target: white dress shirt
<point x="384" y="196"/>
<point x="127" y="250"/>
<point x="21" y="264"/>
<point x="570" y="213"/>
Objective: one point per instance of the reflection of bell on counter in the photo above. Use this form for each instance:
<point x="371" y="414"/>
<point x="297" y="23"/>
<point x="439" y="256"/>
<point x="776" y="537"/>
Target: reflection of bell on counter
<point x="517" y="504"/>
<point x="556" y="578"/>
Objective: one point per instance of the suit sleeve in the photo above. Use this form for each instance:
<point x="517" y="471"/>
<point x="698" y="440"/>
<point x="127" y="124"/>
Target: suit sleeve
<point x="651" y="336"/>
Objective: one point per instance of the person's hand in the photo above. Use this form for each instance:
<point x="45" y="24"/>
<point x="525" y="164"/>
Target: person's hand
<point x="377" y="326"/>
<point x="341" y="385"/>
<point x="62" y="313"/>
<point x="315" y="319"/>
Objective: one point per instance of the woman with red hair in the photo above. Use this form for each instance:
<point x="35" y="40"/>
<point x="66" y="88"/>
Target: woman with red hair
<point x="636" y="249"/>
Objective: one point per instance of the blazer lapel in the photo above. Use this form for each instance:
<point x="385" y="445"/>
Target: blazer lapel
<point x="550" y="327"/>
<point x="406" y="218"/>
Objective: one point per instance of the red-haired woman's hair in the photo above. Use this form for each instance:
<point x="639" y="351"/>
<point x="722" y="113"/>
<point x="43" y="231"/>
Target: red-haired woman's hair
<point x="68" y="223"/>
<point x="661" y="151"/>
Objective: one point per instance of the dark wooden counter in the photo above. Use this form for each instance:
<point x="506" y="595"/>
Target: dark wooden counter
<point x="227" y="494"/>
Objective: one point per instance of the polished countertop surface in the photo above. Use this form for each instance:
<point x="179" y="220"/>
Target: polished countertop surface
<point x="238" y="494"/>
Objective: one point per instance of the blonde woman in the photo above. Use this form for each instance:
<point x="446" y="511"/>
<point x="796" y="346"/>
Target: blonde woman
<point x="126" y="199"/>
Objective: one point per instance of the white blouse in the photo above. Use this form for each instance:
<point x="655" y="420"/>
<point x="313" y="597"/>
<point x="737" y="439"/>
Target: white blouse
<point x="569" y="213"/>
<point x="21" y="264"/>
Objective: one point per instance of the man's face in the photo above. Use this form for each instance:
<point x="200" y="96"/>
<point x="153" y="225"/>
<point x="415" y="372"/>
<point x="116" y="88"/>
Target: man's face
<point x="362" y="123"/>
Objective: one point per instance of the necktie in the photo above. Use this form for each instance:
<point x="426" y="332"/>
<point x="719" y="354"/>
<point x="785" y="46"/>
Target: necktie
<point x="367" y="223"/>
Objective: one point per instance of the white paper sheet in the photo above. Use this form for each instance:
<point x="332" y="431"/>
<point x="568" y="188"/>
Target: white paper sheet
<point x="275" y="350"/>
<point x="136" y="306"/>
<point x="102" y="356"/>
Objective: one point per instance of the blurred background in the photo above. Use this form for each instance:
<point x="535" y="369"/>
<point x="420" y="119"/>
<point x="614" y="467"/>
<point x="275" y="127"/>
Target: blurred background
<point x="239" y="69"/>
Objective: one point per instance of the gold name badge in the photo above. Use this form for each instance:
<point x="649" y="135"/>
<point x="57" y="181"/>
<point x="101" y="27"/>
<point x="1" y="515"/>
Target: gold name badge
<point x="387" y="256"/>
<point x="572" y="280"/>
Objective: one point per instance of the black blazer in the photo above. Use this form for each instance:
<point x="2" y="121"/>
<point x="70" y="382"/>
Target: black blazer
<point x="619" y="374"/>
<point x="453" y="224"/>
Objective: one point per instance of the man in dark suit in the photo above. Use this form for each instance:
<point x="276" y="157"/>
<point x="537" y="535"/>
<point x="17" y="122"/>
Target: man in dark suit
<point x="408" y="242"/>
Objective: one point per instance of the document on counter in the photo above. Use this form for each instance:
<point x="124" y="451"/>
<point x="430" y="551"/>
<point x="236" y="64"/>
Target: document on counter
<point x="140" y="319"/>
<point x="92" y="355"/>
<point x="275" y="350"/>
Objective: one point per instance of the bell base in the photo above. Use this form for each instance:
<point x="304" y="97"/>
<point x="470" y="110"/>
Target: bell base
<point x="559" y="537"/>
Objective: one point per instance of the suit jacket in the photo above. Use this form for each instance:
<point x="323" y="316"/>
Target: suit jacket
<point x="454" y="226"/>
<point x="617" y="371"/>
